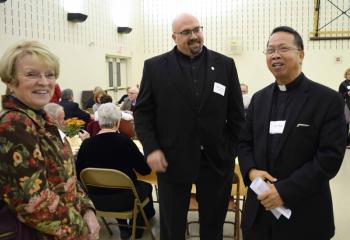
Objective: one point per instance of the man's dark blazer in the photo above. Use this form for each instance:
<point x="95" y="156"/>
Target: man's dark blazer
<point x="127" y="105"/>
<point x="310" y="153"/>
<point x="166" y="117"/>
<point x="71" y="109"/>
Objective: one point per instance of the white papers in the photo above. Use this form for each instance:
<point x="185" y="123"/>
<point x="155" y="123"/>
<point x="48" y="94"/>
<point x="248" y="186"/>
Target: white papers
<point x="259" y="186"/>
<point x="127" y="116"/>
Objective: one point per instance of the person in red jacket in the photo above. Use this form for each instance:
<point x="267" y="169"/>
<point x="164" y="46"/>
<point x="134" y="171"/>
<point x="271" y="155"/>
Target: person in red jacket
<point x="56" y="94"/>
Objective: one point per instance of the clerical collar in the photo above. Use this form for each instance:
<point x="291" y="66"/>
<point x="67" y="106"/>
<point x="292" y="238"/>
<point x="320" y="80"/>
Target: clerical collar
<point x="188" y="57"/>
<point x="292" y="85"/>
<point x="282" y="88"/>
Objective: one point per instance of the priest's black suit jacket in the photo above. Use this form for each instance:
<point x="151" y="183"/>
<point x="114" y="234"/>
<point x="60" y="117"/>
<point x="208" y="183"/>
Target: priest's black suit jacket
<point x="310" y="153"/>
<point x="166" y="117"/>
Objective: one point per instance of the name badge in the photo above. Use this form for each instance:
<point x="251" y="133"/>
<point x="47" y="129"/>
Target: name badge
<point x="348" y="87"/>
<point x="219" y="88"/>
<point x="277" y="127"/>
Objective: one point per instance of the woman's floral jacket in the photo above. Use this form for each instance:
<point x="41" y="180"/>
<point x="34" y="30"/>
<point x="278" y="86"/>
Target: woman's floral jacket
<point x="37" y="174"/>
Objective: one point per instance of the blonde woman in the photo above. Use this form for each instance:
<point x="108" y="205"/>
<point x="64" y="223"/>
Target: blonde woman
<point x="37" y="178"/>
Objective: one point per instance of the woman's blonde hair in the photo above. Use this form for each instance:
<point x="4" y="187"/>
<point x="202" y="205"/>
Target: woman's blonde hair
<point x="99" y="93"/>
<point x="346" y="71"/>
<point x="36" y="49"/>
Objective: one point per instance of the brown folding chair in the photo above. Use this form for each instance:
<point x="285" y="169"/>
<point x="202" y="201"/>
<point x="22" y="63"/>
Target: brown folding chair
<point x="234" y="206"/>
<point x="111" y="178"/>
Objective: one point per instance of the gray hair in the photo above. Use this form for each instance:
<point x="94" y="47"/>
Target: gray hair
<point x="52" y="108"/>
<point x="108" y="115"/>
<point x="67" y="94"/>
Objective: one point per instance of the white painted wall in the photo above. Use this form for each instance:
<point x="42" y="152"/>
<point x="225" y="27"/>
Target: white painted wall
<point x="248" y="23"/>
<point x="82" y="47"/>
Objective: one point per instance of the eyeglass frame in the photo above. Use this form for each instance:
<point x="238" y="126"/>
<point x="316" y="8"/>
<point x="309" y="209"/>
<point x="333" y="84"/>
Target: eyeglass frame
<point x="38" y="76"/>
<point x="280" y="50"/>
<point x="189" y="32"/>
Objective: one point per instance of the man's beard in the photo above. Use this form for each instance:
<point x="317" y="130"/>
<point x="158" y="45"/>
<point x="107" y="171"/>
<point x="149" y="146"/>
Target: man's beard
<point x="195" y="50"/>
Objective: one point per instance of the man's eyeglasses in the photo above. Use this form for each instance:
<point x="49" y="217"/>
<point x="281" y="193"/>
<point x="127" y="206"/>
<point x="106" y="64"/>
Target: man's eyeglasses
<point x="279" y="50"/>
<point x="188" y="32"/>
<point x="38" y="76"/>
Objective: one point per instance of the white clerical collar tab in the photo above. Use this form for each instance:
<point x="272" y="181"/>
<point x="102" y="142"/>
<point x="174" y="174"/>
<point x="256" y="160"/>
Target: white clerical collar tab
<point x="282" y="87"/>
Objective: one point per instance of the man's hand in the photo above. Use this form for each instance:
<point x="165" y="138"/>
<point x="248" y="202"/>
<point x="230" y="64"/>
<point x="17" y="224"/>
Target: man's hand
<point x="271" y="199"/>
<point x="254" y="173"/>
<point x="94" y="227"/>
<point x="156" y="161"/>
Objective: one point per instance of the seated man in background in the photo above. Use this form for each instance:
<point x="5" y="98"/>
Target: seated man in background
<point x="130" y="102"/>
<point x="245" y="96"/>
<point x="71" y="108"/>
<point x="122" y="98"/>
<point x="110" y="149"/>
<point x="56" y="114"/>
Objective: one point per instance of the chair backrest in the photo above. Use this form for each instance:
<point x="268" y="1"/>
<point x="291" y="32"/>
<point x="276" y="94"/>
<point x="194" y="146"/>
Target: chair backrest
<point x="107" y="178"/>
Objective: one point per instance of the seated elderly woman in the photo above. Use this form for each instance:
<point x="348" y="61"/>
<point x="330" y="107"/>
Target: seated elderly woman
<point x="39" y="194"/>
<point x="126" y="127"/>
<point x="110" y="149"/>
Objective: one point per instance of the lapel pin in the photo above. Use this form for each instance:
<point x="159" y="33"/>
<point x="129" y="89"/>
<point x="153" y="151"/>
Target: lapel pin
<point x="212" y="68"/>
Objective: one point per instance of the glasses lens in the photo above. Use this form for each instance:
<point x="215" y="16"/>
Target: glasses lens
<point x="186" y="32"/>
<point x="269" y="51"/>
<point x="196" y="30"/>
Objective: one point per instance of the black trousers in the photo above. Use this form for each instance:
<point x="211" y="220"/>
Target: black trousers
<point x="267" y="227"/>
<point x="212" y="192"/>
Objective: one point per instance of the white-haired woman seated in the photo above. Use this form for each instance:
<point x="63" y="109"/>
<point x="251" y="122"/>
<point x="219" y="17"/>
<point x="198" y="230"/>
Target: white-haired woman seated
<point x="110" y="149"/>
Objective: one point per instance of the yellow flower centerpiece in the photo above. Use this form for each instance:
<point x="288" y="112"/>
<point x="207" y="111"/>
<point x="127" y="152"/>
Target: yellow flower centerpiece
<point x="73" y="126"/>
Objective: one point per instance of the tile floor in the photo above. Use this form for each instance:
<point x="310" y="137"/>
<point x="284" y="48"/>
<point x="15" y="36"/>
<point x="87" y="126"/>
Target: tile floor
<point x="341" y="204"/>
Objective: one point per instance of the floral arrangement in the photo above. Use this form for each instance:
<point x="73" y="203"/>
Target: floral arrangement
<point x="73" y="126"/>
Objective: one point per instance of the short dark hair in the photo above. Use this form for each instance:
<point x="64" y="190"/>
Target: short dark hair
<point x="67" y="94"/>
<point x="297" y="38"/>
<point x="106" y="99"/>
